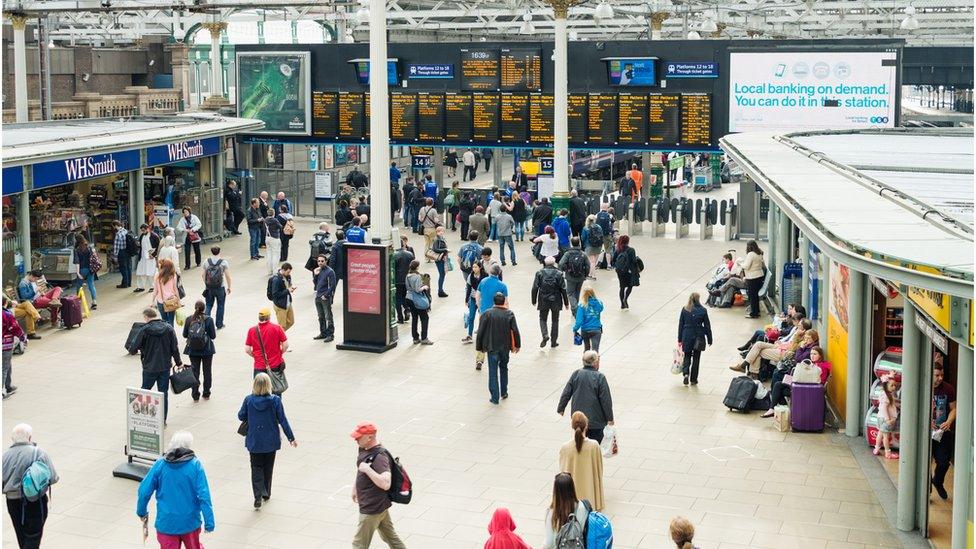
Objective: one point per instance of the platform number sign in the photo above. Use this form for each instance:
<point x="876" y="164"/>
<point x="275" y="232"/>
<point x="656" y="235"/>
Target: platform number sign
<point x="546" y="165"/>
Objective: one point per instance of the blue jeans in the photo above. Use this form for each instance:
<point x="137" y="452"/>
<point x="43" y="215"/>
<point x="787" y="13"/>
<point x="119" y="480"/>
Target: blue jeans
<point x="255" y="236"/>
<point x="497" y="374"/>
<point x="219" y="295"/>
<point x="167" y="317"/>
<point x="520" y="230"/>
<point x="161" y="381"/>
<point x="125" y="268"/>
<point x="472" y="314"/>
<point x="493" y="233"/>
<point x="441" y="273"/>
<point x="87" y="277"/>
<point x="502" y="240"/>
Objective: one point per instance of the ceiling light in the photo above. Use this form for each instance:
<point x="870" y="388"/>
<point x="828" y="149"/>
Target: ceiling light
<point x="909" y="23"/>
<point x="708" y="25"/>
<point x="527" y="28"/>
<point x="910" y="10"/>
<point x="527" y="17"/>
<point x="362" y="15"/>
<point x="693" y="35"/>
<point x="603" y="11"/>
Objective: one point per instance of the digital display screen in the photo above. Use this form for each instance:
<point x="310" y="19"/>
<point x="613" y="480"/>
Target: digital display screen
<point x="515" y="118"/>
<point x="521" y="69"/>
<point x="664" y="118"/>
<point x="480" y="70"/>
<point x="430" y="116"/>
<point x="352" y="115"/>
<point x="367" y="108"/>
<point x="275" y="87"/>
<point x="541" y="112"/>
<point x="602" y="118"/>
<point x="696" y="119"/>
<point x="403" y="116"/>
<point x="362" y="72"/>
<point x="636" y="71"/>
<point x="363" y="291"/>
<point x="457" y="116"/>
<point x="484" y="118"/>
<point x="325" y="113"/>
<point x="577" y="119"/>
<point x="632" y="118"/>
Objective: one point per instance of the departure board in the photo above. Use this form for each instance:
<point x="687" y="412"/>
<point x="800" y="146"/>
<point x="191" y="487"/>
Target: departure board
<point x="515" y="118"/>
<point x="484" y="117"/>
<point x="368" y="106"/>
<point x="521" y="69"/>
<point x="352" y="116"/>
<point x="696" y="119"/>
<point x="576" y="114"/>
<point x="632" y="118"/>
<point x="541" y="117"/>
<point x="325" y="112"/>
<point x="664" y="118"/>
<point x="457" y="116"/>
<point x="403" y="116"/>
<point x="602" y="118"/>
<point x="479" y="70"/>
<point x="430" y="116"/>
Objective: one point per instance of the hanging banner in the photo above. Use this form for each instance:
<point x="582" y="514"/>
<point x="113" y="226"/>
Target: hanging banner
<point x="144" y="423"/>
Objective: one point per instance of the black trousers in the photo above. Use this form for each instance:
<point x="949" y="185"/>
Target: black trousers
<point x="779" y="392"/>
<point x="419" y="315"/>
<point x="285" y="239"/>
<point x="595" y="434"/>
<point x="400" y="301"/>
<point x="942" y="454"/>
<point x="690" y="366"/>
<point x="626" y="286"/>
<point x="186" y="253"/>
<point x="464" y="231"/>
<point x="28" y="518"/>
<point x="207" y="362"/>
<point x="547" y="331"/>
<point x="753" y="285"/>
<point x="262" y="467"/>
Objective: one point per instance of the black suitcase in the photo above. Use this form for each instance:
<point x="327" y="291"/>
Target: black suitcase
<point x="741" y="392"/>
<point x="131" y="339"/>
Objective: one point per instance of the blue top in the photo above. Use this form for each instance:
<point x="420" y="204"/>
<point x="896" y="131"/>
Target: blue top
<point x="394" y="174"/>
<point x="588" y="317"/>
<point x="26" y="290"/>
<point x="488" y="288"/>
<point x="430" y="189"/>
<point x="263" y="414"/>
<point x="276" y="205"/>
<point x="356" y="234"/>
<point x="182" y="494"/>
<point x="563" y="231"/>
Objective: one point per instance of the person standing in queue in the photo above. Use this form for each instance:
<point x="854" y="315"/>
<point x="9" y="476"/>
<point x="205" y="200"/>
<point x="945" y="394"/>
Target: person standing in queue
<point x="418" y="294"/>
<point x="325" y="287"/>
<point x="754" y="268"/>
<point x="255" y="228"/>
<point x="369" y="491"/>
<point x="264" y="413"/>
<point x="694" y="331"/>
<point x="441" y="255"/>
<point x="401" y="266"/>
<point x="199" y="332"/>
<point x="498" y="335"/>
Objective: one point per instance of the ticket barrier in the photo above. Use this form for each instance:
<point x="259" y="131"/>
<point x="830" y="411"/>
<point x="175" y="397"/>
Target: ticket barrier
<point x="684" y="212"/>
<point x="660" y="214"/>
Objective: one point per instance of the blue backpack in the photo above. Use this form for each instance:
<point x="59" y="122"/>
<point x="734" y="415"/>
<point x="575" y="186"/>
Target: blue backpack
<point x="470" y="253"/>
<point x="599" y="532"/>
<point x="36" y="479"/>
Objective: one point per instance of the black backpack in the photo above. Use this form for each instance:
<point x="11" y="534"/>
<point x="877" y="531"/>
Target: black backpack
<point x="595" y="237"/>
<point x="213" y="276"/>
<point x="577" y="264"/>
<point x="401" y="487"/>
<point x="198" y="338"/>
<point x="271" y="282"/>
<point x="549" y="285"/>
<point x="131" y="246"/>
<point x="742" y="390"/>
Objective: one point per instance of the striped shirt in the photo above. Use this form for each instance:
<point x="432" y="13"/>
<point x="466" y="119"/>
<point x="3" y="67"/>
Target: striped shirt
<point x="118" y="245"/>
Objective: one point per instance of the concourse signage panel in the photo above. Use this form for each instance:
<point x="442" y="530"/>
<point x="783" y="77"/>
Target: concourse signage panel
<point x="430" y="71"/>
<point x="678" y="69"/>
<point x="13" y="180"/>
<point x="59" y="172"/>
<point x="182" y="150"/>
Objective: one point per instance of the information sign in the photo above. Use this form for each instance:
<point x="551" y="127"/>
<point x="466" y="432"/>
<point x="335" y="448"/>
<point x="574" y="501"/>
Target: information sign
<point x="480" y="70"/>
<point x="521" y="69"/>
<point x="576" y="117"/>
<point x="352" y="114"/>
<point x="514" y="117"/>
<point x="632" y="118"/>
<point x="403" y="116"/>
<point x="602" y="118"/>
<point x="541" y="112"/>
<point x="664" y="118"/>
<point x="430" y="116"/>
<point x="323" y="186"/>
<point x="696" y="119"/>
<point x="457" y="116"/>
<point x="485" y="112"/>
<point x="144" y="417"/>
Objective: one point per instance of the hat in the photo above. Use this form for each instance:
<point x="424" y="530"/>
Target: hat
<point x="265" y="312"/>
<point x="363" y="429"/>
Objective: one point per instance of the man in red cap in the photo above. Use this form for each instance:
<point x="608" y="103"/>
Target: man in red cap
<point x="370" y="490"/>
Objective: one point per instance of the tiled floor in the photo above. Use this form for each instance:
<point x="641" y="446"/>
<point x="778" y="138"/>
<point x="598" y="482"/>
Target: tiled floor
<point x="741" y="482"/>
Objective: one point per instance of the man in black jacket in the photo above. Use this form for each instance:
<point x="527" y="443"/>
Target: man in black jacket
<point x="325" y="286"/>
<point x="337" y="259"/>
<point x="255" y="227"/>
<point x="280" y="293"/>
<point x="235" y="208"/>
<point x="156" y="343"/>
<point x="591" y="395"/>
<point x="498" y="335"/>
<point x="549" y="295"/>
<point x="577" y="213"/>
<point x="541" y="216"/>
<point x="401" y="265"/>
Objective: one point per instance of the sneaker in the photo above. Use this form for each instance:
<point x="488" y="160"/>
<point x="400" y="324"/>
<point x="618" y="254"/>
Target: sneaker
<point x="6" y="396"/>
<point x="477" y="366"/>
<point x="137" y="290"/>
<point x="120" y="286"/>
<point x="442" y="294"/>
<point x="504" y="396"/>
<point x="257" y="503"/>
<point x="495" y="402"/>
<point x="329" y="339"/>
<point x="685" y="381"/>
<point x="33" y="336"/>
<point x="466" y="339"/>
<point x="426" y="342"/>
<point x="12" y="389"/>
<point x="320" y="336"/>
<point x="876" y="451"/>
<point x="503" y="263"/>
<point x="416" y="341"/>
<point x="514" y="263"/>
<point x="554" y="345"/>
<point x="206" y="396"/>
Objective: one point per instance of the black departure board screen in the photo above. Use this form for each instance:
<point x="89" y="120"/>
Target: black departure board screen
<point x="696" y="119"/>
<point x="664" y="118"/>
<point x="576" y="114"/>
<point x="480" y="70"/>
<point x="515" y="118"/>
<point x="521" y="69"/>
<point x="325" y="113"/>
<point x="632" y="118"/>
<point x="352" y="116"/>
<point x="457" y="116"/>
<point x="602" y="118"/>
<point x="430" y="116"/>
<point x="368" y="106"/>
<point x="403" y="116"/>
<point x="541" y="113"/>
<point x="484" y="117"/>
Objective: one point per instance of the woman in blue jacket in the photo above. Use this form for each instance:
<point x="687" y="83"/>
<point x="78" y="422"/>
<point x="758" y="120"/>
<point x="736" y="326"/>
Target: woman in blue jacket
<point x="182" y="495"/>
<point x="694" y="331"/>
<point x="588" y="323"/>
<point x="263" y="413"/>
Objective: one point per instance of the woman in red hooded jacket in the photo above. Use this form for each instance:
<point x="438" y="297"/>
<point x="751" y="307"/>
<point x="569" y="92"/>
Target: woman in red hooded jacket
<point x="501" y="530"/>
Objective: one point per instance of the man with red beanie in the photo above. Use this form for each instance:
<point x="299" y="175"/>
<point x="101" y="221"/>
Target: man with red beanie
<point x="370" y="490"/>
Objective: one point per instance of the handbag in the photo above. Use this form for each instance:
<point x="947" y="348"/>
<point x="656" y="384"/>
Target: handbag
<point x="242" y="428"/>
<point x="450" y="264"/>
<point x="420" y="301"/>
<point x="432" y="255"/>
<point x="182" y="379"/>
<point x="279" y="383"/>
<point x="171" y="304"/>
<point x="179" y="286"/>
<point x="700" y="343"/>
<point x="193" y="237"/>
<point x="806" y="372"/>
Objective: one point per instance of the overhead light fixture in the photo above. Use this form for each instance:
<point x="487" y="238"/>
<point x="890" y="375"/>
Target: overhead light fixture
<point x="708" y="25"/>
<point x="603" y="11"/>
<point x="527" y="17"/>
<point x="483" y="39"/>
<point x="349" y="37"/>
<point x="693" y="35"/>
<point x="527" y="28"/>
<point x="910" y="22"/>
<point x="362" y="15"/>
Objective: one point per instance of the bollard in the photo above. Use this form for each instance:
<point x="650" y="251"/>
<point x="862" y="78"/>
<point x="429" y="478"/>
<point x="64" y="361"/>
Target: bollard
<point x="681" y="224"/>
<point x="635" y="225"/>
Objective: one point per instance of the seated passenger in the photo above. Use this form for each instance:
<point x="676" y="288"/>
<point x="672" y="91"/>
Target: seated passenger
<point x="781" y="389"/>
<point x="773" y="352"/>
<point x="783" y="324"/>
<point x="732" y="285"/>
<point x="35" y="290"/>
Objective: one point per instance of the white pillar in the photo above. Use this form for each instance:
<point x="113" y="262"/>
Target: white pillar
<point x="379" y="130"/>
<point x="560" y="170"/>
<point x="20" y="67"/>
<point x="962" y="484"/>
<point x="216" y="70"/>
<point x="24" y="229"/>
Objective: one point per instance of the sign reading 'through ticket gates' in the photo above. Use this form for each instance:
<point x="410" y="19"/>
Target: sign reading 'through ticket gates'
<point x="691" y="70"/>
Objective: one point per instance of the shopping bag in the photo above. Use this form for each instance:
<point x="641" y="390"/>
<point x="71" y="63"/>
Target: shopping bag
<point x="781" y="418"/>
<point x="180" y="316"/>
<point x="182" y="379"/>
<point x="577" y="338"/>
<point x="677" y="363"/>
<point x="609" y="444"/>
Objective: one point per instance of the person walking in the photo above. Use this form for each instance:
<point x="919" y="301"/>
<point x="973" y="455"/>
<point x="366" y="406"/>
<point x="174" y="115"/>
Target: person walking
<point x="200" y="332"/>
<point x="266" y="343"/>
<point x="452" y="201"/>
<point x="471" y="282"/>
<point x="468" y="254"/>
<point x="577" y="212"/>
<point x="576" y="267"/>
<point x="234" y="201"/>
<point x="604" y="218"/>
<point x="182" y="496"/>
<point x="166" y="294"/>
<point x="418" y="296"/>
<point x="216" y="283"/>
<point x="337" y="257"/>
<point x="281" y="292"/>
<point x="498" y="336"/>
<point x="549" y="295"/>
<point x="519" y="212"/>
<point x="486" y="155"/>
<point x="287" y="222"/>
<point x="694" y="331"/>
<point x="943" y="420"/>
<point x="188" y="227"/>
<point x="88" y="263"/>
<point x="168" y="251"/>
<point x="373" y="479"/>
<point x="123" y="244"/>
<point x="255" y="228"/>
<point x="682" y="533"/>
<point x="272" y="240"/>
<point x="548" y="245"/>
<point x="440" y="254"/>
<point x="588" y="323"/>
<point x="12" y="333"/>
<point x="565" y="506"/>
<point x="263" y="413"/>
<point x="583" y="460"/>
<point x="465" y="211"/>
<point x="504" y="230"/>
<point x="429" y="220"/>
<point x="495" y="208"/>
<point x="501" y="532"/>
<point x="754" y="269"/>
<point x="591" y="238"/>
<point x="28" y="515"/>
<point x="470" y="170"/>
<point x="158" y="352"/>
<point x="478" y="223"/>
<point x="401" y="266"/>
<point x="325" y="287"/>
<point x="590" y="393"/>
<point x="628" y="267"/>
<point x="318" y="245"/>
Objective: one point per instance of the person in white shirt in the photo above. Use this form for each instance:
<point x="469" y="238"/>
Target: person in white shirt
<point x="188" y="227"/>
<point x="469" y="165"/>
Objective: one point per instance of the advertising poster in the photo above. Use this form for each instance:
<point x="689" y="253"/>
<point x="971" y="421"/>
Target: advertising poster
<point x="632" y="71"/>
<point x="837" y="325"/>
<point x="794" y="91"/>
<point x="364" y="290"/>
<point x="144" y="423"/>
<point x="328" y="157"/>
<point x="274" y="87"/>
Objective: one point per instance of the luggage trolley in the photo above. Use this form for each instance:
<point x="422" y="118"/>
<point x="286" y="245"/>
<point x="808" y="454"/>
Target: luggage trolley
<point x="702" y="179"/>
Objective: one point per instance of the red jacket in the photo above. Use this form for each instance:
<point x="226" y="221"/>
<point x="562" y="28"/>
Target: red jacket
<point x="502" y="532"/>
<point x="11" y="331"/>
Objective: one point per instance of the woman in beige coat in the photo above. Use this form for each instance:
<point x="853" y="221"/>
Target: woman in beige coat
<point x="581" y="458"/>
<point x="755" y="274"/>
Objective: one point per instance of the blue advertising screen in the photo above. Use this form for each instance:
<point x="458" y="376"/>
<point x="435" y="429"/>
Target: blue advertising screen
<point x="632" y="71"/>
<point x="362" y="73"/>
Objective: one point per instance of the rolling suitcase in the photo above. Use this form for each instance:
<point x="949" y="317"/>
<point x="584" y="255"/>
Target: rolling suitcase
<point x="131" y="339"/>
<point x="741" y="392"/>
<point x="70" y="311"/>
<point x="807" y="407"/>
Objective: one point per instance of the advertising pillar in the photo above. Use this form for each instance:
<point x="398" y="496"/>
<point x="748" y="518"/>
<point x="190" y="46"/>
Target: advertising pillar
<point x="369" y="324"/>
<point x="144" y="425"/>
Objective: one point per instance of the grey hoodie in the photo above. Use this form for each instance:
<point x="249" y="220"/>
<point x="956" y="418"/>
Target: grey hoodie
<point x="16" y="460"/>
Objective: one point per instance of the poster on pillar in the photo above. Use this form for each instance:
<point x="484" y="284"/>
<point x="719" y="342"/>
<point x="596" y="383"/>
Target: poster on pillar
<point x="275" y="87"/>
<point x="837" y="328"/>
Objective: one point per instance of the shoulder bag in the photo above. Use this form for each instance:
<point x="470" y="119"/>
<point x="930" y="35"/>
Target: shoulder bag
<point x="806" y="372"/>
<point x="279" y="383"/>
<point x="182" y="379"/>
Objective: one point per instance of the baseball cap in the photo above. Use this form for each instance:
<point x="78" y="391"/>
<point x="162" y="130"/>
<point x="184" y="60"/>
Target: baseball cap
<point x="363" y="429"/>
<point x="264" y="312"/>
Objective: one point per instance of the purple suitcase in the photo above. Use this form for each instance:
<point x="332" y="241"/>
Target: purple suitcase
<point x="70" y="311"/>
<point x="807" y="407"/>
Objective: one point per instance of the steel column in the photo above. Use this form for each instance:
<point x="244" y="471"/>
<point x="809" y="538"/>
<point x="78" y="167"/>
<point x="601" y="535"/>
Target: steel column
<point x="909" y="433"/>
<point x="855" y="351"/>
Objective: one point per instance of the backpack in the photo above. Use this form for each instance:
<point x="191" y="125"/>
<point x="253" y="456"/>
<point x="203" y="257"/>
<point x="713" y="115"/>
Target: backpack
<point x="36" y="479"/>
<point x="570" y="535"/>
<point x="549" y="285"/>
<point x="271" y="282"/>
<point x="131" y="246"/>
<point x="289" y="228"/>
<point x="595" y="237"/>
<point x="742" y="390"/>
<point x="598" y="530"/>
<point x="198" y="338"/>
<point x="401" y="487"/>
<point x="94" y="262"/>
<point x="605" y="223"/>
<point x="577" y="264"/>
<point x="213" y="277"/>
<point x="469" y="256"/>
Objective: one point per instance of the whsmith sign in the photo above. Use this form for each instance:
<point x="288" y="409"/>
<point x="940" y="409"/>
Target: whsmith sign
<point x="49" y="174"/>
<point x="182" y="150"/>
